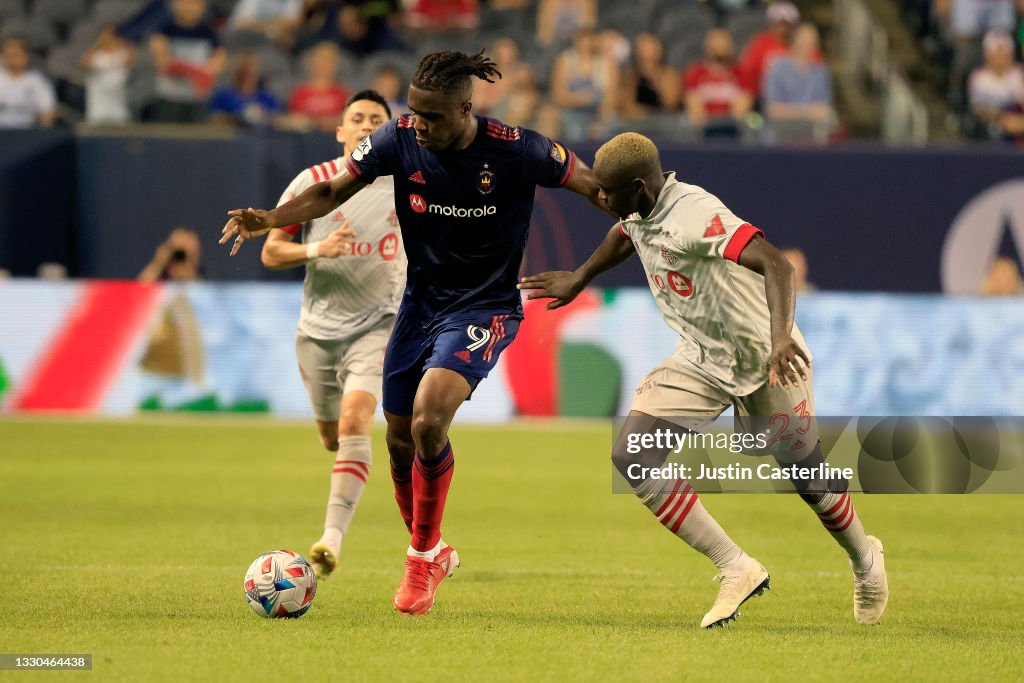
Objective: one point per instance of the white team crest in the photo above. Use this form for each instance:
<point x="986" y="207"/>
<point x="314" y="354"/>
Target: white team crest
<point x="363" y="149"/>
<point x="478" y="335"/>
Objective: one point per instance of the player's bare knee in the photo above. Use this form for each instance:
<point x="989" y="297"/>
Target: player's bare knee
<point x="355" y="423"/>
<point x="399" y="441"/>
<point x="429" y="432"/>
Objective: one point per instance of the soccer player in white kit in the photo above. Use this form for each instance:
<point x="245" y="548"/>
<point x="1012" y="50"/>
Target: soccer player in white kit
<point x="355" y="275"/>
<point x="728" y="294"/>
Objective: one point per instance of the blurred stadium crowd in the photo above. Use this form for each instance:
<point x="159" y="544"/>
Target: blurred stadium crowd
<point x="977" y="47"/>
<point x="576" y="69"/>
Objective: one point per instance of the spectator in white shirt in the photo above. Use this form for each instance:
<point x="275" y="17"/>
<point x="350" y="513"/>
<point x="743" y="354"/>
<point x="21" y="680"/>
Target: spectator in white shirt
<point x="27" y="98"/>
<point x="998" y="86"/>
<point x="276" y="19"/>
<point x="107" y="63"/>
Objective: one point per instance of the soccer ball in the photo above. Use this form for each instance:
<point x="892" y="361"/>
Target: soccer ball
<point x="280" y="584"/>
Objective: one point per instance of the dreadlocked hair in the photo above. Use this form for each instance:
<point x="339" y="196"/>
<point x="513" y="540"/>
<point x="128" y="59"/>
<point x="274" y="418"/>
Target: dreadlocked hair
<point x="447" y="70"/>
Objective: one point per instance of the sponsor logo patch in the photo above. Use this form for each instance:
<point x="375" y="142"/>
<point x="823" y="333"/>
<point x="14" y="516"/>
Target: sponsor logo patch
<point x="680" y="284"/>
<point x="362" y="150"/>
<point x="558" y="152"/>
<point x="420" y="205"/>
<point x="388" y="247"/>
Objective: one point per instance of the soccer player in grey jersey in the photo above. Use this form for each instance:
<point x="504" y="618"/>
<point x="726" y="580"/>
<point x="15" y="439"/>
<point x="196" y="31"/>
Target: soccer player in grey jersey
<point x="355" y="274"/>
<point x="728" y="294"/>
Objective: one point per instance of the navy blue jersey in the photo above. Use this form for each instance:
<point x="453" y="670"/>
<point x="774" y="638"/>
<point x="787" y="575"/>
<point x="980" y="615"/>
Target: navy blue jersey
<point x="465" y="215"/>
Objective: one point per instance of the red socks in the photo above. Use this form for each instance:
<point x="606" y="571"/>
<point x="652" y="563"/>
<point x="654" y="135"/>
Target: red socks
<point x="403" y="493"/>
<point x="430" y="481"/>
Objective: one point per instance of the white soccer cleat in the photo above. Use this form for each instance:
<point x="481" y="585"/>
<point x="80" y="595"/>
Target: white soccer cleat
<point x="871" y="587"/>
<point x="324" y="559"/>
<point x="739" y="583"/>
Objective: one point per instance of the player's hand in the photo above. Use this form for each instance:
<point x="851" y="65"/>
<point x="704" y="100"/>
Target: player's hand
<point x="338" y="243"/>
<point x="244" y="224"/>
<point x="788" y="364"/>
<point x="561" y="285"/>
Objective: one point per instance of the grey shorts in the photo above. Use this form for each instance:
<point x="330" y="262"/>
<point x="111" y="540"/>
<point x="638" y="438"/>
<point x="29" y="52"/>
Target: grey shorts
<point x="331" y="368"/>
<point x="678" y="392"/>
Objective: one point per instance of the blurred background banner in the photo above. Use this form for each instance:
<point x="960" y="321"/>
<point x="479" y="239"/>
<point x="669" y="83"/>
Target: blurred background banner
<point x="867" y="219"/>
<point x="119" y="348"/>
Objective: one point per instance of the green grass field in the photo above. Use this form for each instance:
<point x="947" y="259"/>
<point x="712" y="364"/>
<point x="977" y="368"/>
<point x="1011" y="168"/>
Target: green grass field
<point x="129" y="541"/>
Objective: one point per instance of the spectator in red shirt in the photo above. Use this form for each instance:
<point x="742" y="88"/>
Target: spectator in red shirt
<point x="317" y="103"/>
<point x="445" y="15"/>
<point x="783" y="17"/>
<point x="715" y="96"/>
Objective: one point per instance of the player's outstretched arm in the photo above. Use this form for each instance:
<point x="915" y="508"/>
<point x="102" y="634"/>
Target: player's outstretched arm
<point x="280" y="252"/>
<point x="316" y="201"/>
<point x="563" y="285"/>
<point x="788" y="360"/>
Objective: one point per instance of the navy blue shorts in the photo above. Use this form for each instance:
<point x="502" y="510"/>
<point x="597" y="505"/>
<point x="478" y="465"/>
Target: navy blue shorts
<point x="468" y="342"/>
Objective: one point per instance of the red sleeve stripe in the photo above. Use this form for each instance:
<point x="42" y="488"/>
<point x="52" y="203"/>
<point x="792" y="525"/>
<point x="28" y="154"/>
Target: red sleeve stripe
<point x="293" y="229"/>
<point x="316" y="175"/>
<point x="334" y="168"/>
<point x="570" y="169"/>
<point x="740" y="239"/>
<point x="623" y="233"/>
<point x="404" y="121"/>
<point x="503" y="132"/>
<point x="352" y="168"/>
<point x="324" y="172"/>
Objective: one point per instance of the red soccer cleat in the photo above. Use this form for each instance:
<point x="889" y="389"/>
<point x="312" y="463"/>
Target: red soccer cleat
<point x="415" y="595"/>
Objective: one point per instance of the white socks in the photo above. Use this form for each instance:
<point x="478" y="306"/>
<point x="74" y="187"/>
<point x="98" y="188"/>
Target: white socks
<point x="680" y="511"/>
<point x="837" y="515"/>
<point x="348" y="479"/>
<point x="428" y="555"/>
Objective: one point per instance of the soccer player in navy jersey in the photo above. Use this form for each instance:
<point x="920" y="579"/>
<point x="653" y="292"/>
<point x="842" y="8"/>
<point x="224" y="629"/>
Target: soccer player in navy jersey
<point x="464" y="188"/>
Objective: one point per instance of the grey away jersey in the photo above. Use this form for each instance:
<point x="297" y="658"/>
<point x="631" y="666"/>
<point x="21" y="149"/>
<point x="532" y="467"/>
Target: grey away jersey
<point x="345" y="296"/>
<point x="689" y="245"/>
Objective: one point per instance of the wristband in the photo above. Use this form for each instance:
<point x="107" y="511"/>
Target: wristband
<point x="312" y="250"/>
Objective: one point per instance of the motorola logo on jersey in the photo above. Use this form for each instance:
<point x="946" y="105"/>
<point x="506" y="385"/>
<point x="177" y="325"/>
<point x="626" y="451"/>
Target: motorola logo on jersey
<point x="459" y="212"/>
<point x="388" y="247"/>
<point x="419" y="205"/>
